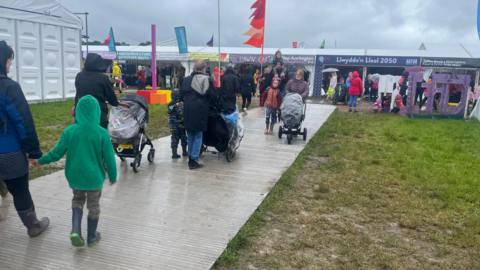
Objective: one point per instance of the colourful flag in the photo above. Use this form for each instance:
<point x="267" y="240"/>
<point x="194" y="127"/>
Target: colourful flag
<point x="110" y="41"/>
<point x="323" y="45"/>
<point x="257" y="31"/>
<point x="295" y="45"/>
<point x="210" y="43"/>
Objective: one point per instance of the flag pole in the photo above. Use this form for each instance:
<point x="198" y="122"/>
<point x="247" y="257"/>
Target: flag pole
<point x="263" y="36"/>
<point x="219" y="68"/>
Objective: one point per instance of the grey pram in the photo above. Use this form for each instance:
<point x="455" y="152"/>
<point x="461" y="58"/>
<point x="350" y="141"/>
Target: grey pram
<point x="293" y="114"/>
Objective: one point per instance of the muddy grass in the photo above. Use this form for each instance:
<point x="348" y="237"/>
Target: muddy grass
<point x="371" y="192"/>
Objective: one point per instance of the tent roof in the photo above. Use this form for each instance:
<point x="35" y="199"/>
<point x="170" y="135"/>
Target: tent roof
<point x="40" y="11"/>
<point x="170" y="42"/>
<point x="353" y="52"/>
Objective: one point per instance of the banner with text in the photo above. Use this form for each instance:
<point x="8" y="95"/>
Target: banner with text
<point x="212" y="57"/>
<point x="441" y="62"/>
<point x="369" y="61"/>
<point x="105" y="55"/>
<point x="287" y="59"/>
<point x="148" y="56"/>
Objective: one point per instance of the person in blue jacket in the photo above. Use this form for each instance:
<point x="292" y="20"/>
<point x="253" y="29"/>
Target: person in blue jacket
<point x="18" y="143"/>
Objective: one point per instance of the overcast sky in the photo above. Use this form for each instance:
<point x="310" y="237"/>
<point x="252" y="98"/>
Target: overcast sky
<point x="355" y="24"/>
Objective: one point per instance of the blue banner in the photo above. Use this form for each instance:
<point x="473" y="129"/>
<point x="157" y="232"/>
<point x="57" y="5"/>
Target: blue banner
<point x="111" y="41"/>
<point x="478" y="18"/>
<point x="134" y="56"/>
<point x="181" y="39"/>
<point x="368" y="61"/>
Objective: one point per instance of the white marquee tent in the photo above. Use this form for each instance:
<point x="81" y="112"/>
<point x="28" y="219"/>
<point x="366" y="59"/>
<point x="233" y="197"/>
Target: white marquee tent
<point x="46" y="38"/>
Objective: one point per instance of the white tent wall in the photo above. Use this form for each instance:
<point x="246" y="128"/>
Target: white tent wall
<point x="46" y="39"/>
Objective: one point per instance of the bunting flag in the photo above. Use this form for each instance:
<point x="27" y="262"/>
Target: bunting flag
<point x="110" y="41"/>
<point x="295" y="45"/>
<point x="257" y="31"/>
<point x="210" y="43"/>
<point x="323" y="45"/>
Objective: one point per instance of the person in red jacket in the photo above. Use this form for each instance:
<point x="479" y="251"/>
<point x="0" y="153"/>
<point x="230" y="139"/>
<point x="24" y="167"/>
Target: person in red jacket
<point x="217" y="76"/>
<point x="356" y="89"/>
<point x="272" y="100"/>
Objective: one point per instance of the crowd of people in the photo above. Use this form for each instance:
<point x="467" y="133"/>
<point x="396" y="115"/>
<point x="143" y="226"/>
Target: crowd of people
<point x="87" y="145"/>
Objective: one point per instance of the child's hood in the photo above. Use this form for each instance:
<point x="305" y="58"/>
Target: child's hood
<point x="87" y="111"/>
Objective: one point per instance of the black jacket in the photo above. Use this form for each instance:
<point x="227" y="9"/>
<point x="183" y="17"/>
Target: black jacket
<point x="291" y="74"/>
<point x="17" y="129"/>
<point x="247" y="83"/>
<point x="195" y="105"/>
<point x="230" y="86"/>
<point x="93" y="82"/>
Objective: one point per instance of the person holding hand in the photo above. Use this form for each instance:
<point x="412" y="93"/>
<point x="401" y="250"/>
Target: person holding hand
<point x="88" y="146"/>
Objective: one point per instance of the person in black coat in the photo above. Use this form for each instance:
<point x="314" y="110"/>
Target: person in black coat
<point x="229" y="90"/>
<point x="93" y="82"/>
<point x="247" y="86"/>
<point x="197" y="92"/>
<point x="18" y="143"/>
<point x="291" y="74"/>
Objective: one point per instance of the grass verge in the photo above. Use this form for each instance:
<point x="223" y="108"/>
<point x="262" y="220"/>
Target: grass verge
<point x="371" y="191"/>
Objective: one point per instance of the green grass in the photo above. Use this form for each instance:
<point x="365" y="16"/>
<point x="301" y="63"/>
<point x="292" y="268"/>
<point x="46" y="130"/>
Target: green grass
<point x="371" y="191"/>
<point x="52" y="118"/>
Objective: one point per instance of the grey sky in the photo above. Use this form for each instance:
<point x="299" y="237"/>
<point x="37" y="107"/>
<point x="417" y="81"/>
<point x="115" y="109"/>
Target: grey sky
<point x="355" y="24"/>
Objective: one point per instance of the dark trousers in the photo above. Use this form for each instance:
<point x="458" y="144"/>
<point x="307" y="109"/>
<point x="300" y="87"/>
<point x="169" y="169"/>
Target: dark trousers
<point x="246" y="101"/>
<point x="18" y="187"/>
<point x="373" y="95"/>
<point x="142" y="85"/>
<point x="418" y="96"/>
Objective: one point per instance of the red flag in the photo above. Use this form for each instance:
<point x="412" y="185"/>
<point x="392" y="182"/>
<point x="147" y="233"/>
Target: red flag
<point x="257" y="32"/>
<point x="295" y="45"/>
<point x="255" y="42"/>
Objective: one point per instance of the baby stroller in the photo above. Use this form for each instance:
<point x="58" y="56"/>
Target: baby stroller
<point x="127" y="130"/>
<point x="340" y="94"/>
<point x="293" y="114"/>
<point x="224" y="132"/>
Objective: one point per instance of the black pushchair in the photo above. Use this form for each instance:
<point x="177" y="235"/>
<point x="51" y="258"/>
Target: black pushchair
<point x="293" y="114"/>
<point x="340" y="94"/>
<point x="224" y="132"/>
<point x="127" y="130"/>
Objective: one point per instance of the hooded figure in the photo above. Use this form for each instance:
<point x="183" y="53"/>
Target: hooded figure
<point x="229" y="90"/>
<point x="356" y="85"/>
<point x="291" y="74"/>
<point x="298" y="86"/>
<point x="218" y="76"/>
<point x="93" y="82"/>
<point x="116" y="70"/>
<point x="88" y="148"/>
<point x="177" y="128"/>
<point x="18" y="140"/>
<point x="247" y="83"/>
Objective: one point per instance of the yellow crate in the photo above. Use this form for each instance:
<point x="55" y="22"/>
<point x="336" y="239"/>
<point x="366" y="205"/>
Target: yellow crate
<point x="125" y="146"/>
<point x="168" y="93"/>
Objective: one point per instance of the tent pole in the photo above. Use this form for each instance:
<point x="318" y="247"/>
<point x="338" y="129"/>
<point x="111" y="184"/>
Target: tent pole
<point x="219" y="67"/>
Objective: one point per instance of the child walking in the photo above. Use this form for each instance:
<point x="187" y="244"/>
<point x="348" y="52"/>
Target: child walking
<point x="88" y="146"/>
<point x="272" y="99"/>
<point x="175" y="112"/>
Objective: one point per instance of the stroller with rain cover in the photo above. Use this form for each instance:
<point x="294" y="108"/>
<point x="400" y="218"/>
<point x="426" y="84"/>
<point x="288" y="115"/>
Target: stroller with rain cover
<point x="340" y="94"/>
<point x="224" y="132"/>
<point x="293" y="114"/>
<point x="127" y="130"/>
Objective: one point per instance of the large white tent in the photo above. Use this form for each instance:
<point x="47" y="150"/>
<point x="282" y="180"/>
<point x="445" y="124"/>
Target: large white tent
<point x="46" y="38"/>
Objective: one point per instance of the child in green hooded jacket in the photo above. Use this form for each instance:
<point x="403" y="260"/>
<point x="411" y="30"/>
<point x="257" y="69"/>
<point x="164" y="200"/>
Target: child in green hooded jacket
<point x="88" y="146"/>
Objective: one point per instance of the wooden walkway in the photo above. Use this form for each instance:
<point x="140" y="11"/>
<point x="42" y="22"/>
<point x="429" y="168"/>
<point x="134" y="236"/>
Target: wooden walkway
<point x="165" y="216"/>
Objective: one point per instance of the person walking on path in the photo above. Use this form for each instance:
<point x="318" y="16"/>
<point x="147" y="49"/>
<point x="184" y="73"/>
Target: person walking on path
<point x="196" y="93"/>
<point x="87" y="146"/>
<point x="272" y="100"/>
<point x="349" y="79"/>
<point x="298" y="85"/>
<point x="93" y="82"/>
<point x="177" y="128"/>
<point x="291" y="74"/>
<point x="141" y="78"/>
<point x="18" y="143"/>
<point x="356" y="89"/>
<point x="218" y="75"/>
<point x="229" y="91"/>
<point x="247" y="86"/>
